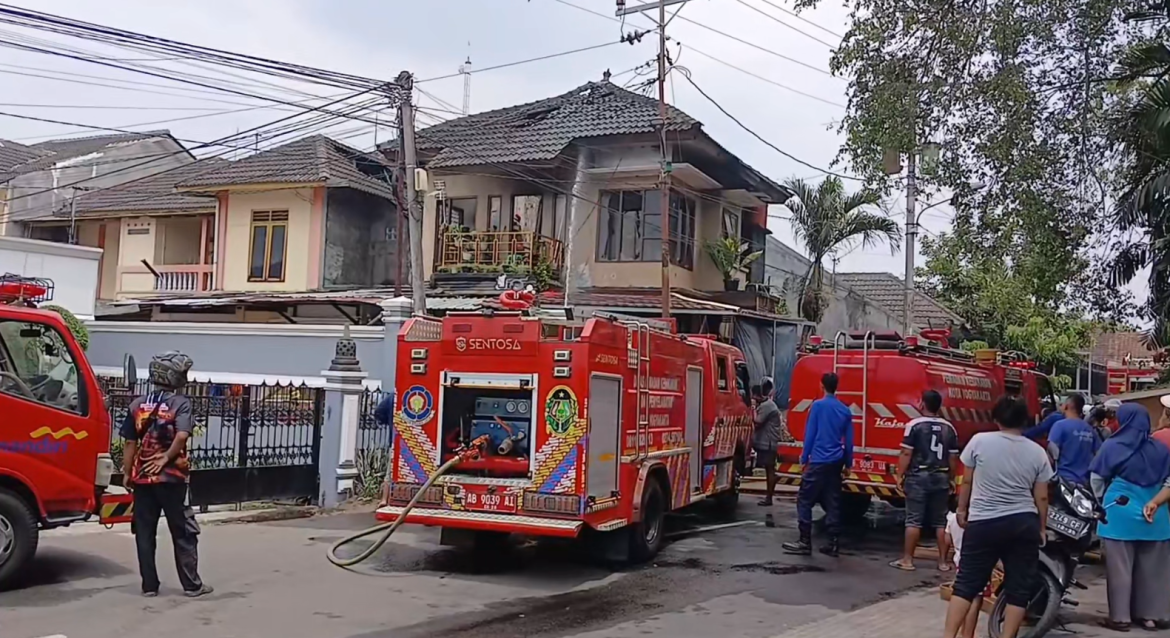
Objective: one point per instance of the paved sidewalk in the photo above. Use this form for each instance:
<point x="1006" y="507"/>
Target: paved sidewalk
<point x="921" y="613"/>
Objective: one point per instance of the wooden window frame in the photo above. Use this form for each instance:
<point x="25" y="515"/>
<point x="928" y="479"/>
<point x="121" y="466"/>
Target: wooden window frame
<point x="268" y="219"/>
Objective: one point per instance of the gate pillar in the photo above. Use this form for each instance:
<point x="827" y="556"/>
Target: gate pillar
<point x="395" y="313"/>
<point x="339" y="432"/>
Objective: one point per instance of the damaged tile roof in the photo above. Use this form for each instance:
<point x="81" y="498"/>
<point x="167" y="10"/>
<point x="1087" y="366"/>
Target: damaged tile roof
<point x="316" y="159"/>
<point x="13" y="154"/>
<point x="889" y="292"/>
<point x="155" y="193"/>
<point x="541" y="130"/>
<point x="51" y="152"/>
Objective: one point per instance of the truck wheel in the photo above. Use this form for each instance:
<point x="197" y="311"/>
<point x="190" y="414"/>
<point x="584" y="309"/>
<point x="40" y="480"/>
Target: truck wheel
<point x="18" y="537"/>
<point x="646" y="535"/>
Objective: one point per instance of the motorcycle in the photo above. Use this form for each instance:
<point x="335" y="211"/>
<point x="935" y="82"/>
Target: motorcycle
<point x="1073" y="515"/>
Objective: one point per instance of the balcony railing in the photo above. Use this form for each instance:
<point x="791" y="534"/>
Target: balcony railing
<point x="192" y="278"/>
<point x="494" y="252"/>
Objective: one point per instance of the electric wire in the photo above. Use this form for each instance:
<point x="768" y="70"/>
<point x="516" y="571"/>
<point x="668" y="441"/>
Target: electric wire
<point x="785" y="24"/>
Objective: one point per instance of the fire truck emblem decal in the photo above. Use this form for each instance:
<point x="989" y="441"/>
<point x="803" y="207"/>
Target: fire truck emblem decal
<point x="418" y="405"/>
<point x="560" y="410"/>
<point x="460" y="344"/>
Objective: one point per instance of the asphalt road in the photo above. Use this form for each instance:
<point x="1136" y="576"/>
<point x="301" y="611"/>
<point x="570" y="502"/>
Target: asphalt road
<point x="272" y="579"/>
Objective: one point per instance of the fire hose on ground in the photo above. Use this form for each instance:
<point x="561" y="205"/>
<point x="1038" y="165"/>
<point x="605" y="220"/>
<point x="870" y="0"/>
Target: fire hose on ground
<point x="471" y="452"/>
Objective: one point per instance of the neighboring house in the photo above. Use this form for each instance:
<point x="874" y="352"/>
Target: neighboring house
<point x="568" y="187"/>
<point x="145" y="225"/>
<point x="307" y="215"/>
<point x="54" y="172"/>
<point x="889" y="293"/>
<point x="785" y="271"/>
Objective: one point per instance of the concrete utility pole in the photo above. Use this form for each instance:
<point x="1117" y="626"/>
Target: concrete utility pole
<point x="664" y="175"/>
<point x="911" y="235"/>
<point x="399" y="214"/>
<point x="405" y="82"/>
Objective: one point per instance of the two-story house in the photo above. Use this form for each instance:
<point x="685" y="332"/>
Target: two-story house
<point x="43" y="181"/>
<point x="566" y="189"/>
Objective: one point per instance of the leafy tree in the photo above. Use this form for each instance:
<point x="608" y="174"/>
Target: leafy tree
<point x="825" y="218"/>
<point x="75" y="325"/>
<point x="1009" y="92"/>
<point x="1141" y="128"/>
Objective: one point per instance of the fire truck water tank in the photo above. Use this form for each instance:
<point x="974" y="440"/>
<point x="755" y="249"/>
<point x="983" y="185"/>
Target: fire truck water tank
<point x="506" y="422"/>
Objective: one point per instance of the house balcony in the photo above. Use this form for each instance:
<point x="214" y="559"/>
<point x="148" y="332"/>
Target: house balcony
<point x="518" y="252"/>
<point x="186" y="278"/>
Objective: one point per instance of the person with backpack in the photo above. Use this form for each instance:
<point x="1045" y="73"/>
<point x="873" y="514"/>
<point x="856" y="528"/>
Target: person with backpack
<point x="156" y="470"/>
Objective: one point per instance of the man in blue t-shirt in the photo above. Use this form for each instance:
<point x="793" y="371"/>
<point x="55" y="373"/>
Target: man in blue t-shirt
<point x="826" y="457"/>
<point x="1073" y="443"/>
<point x="1041" y="430"/>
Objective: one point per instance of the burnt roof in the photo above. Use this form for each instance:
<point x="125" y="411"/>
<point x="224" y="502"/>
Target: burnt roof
<point x="540" y="130"/>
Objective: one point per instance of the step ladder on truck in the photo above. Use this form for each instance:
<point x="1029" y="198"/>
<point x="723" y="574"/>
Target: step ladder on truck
<point x="55" y="462"/>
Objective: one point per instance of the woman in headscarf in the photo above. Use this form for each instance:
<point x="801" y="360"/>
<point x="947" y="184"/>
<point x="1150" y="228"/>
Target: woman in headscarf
<point x="1137" y="546"/>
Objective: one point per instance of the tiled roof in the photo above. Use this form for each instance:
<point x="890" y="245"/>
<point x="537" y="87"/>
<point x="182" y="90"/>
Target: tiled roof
<point x="51" y="152"/>
<point x="309" y="160"/>
<point x="13" y="154"/>
<point x="541" y="130"/>
<point x="151" y="194"/>
<point x="1114" y="346"/>
<point x="889" y="292"/>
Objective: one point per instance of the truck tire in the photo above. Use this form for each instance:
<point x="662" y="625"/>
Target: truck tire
<point x="646" y="536"/>
<point x="18" y="537"/>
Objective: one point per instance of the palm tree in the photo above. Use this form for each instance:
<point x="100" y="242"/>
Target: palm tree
<point x="825" y="219"/>
<point x="1142" y="130"/>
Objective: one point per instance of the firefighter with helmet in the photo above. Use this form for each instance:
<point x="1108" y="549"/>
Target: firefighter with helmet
<point x="156" y="469"/>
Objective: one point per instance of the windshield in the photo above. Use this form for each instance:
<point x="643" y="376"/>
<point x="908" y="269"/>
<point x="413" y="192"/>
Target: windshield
<point x="36" y="364"/>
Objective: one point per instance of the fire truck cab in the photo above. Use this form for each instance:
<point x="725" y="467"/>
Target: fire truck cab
<point x="881" y="377"/>
<point x="604" y="425"/>
<point x="54" y="428"/>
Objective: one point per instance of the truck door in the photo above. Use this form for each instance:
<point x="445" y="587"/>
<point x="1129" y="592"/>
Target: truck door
<point x="605" y="410"/>
<point x="47" y="429"/>
<point x="694" y="425"/>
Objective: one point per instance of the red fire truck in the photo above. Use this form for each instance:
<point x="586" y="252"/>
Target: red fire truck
<point x="1132" y="374"/>
<point x="603" y="425"/>
<point x="54" y="428"/>
<point x="881" y="378"/>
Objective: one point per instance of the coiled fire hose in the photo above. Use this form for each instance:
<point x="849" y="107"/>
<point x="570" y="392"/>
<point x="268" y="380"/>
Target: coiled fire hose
<point x="471" y="452"/>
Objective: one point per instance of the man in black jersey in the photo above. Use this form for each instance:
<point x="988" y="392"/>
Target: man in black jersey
<point x="926" y="473"/>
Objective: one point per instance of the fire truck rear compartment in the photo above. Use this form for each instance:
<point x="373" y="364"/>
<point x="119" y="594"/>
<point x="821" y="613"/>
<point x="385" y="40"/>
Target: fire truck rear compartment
<point x="504" y="415"/>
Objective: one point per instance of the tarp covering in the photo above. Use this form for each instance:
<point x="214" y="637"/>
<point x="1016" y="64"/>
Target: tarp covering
<point x="769" y="348"/>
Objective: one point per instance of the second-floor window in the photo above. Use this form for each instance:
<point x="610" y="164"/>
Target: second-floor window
<point x="269" y="245"/>
<point x="630" y="228"/>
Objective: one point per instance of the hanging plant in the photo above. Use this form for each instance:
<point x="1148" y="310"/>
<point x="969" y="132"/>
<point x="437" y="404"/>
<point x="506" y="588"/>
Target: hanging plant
<point x="731" y="256"/>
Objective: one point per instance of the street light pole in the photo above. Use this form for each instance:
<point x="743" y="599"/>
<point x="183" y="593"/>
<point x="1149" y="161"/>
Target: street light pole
<point x="664" y="174"/>
<point x="911" y="235"/>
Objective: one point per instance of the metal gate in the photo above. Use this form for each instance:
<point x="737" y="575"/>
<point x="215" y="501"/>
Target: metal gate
<point x="251" y="442"/>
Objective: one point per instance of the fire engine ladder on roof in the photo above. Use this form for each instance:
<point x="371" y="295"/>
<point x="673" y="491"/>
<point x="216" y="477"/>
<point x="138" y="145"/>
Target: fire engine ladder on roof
<point x="840" y="343"/>
<point x="639" y="356"/>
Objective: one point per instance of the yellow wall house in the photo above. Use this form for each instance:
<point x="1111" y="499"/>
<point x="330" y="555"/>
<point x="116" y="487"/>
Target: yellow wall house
<point x="311" y="214"/>
<point x="155" y="241"/>
<point x="566" y="189"/>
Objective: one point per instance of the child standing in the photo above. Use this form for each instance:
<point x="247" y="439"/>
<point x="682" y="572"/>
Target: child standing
<point x="954" y="537"/>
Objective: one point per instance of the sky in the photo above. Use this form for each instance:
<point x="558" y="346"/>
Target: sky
<point x="432" y="38"/>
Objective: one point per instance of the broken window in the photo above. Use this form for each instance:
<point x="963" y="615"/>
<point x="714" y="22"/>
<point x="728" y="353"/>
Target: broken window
<point x="630" y="228"/>
<point x="495" y="208"/>
<point x="526" y="211"/>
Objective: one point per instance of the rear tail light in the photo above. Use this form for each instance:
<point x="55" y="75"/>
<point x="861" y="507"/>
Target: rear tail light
<point x="406" y="491"/>
<point x="552" y="503"/>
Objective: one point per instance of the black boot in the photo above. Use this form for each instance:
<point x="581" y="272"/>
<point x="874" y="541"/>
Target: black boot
<point x="831" y="548"/>
<point x="801" y="547"/>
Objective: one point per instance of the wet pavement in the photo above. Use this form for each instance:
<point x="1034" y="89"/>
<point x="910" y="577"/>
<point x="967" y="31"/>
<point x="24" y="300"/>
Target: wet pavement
<point x="272" y="580"/>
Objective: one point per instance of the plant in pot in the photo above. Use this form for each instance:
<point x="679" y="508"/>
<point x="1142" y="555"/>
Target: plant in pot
<point x="731" y="256"/>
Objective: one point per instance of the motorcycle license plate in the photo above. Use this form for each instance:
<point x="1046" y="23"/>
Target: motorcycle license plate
<point x="481" y="499"/>
<point x="1065" y="524"/>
